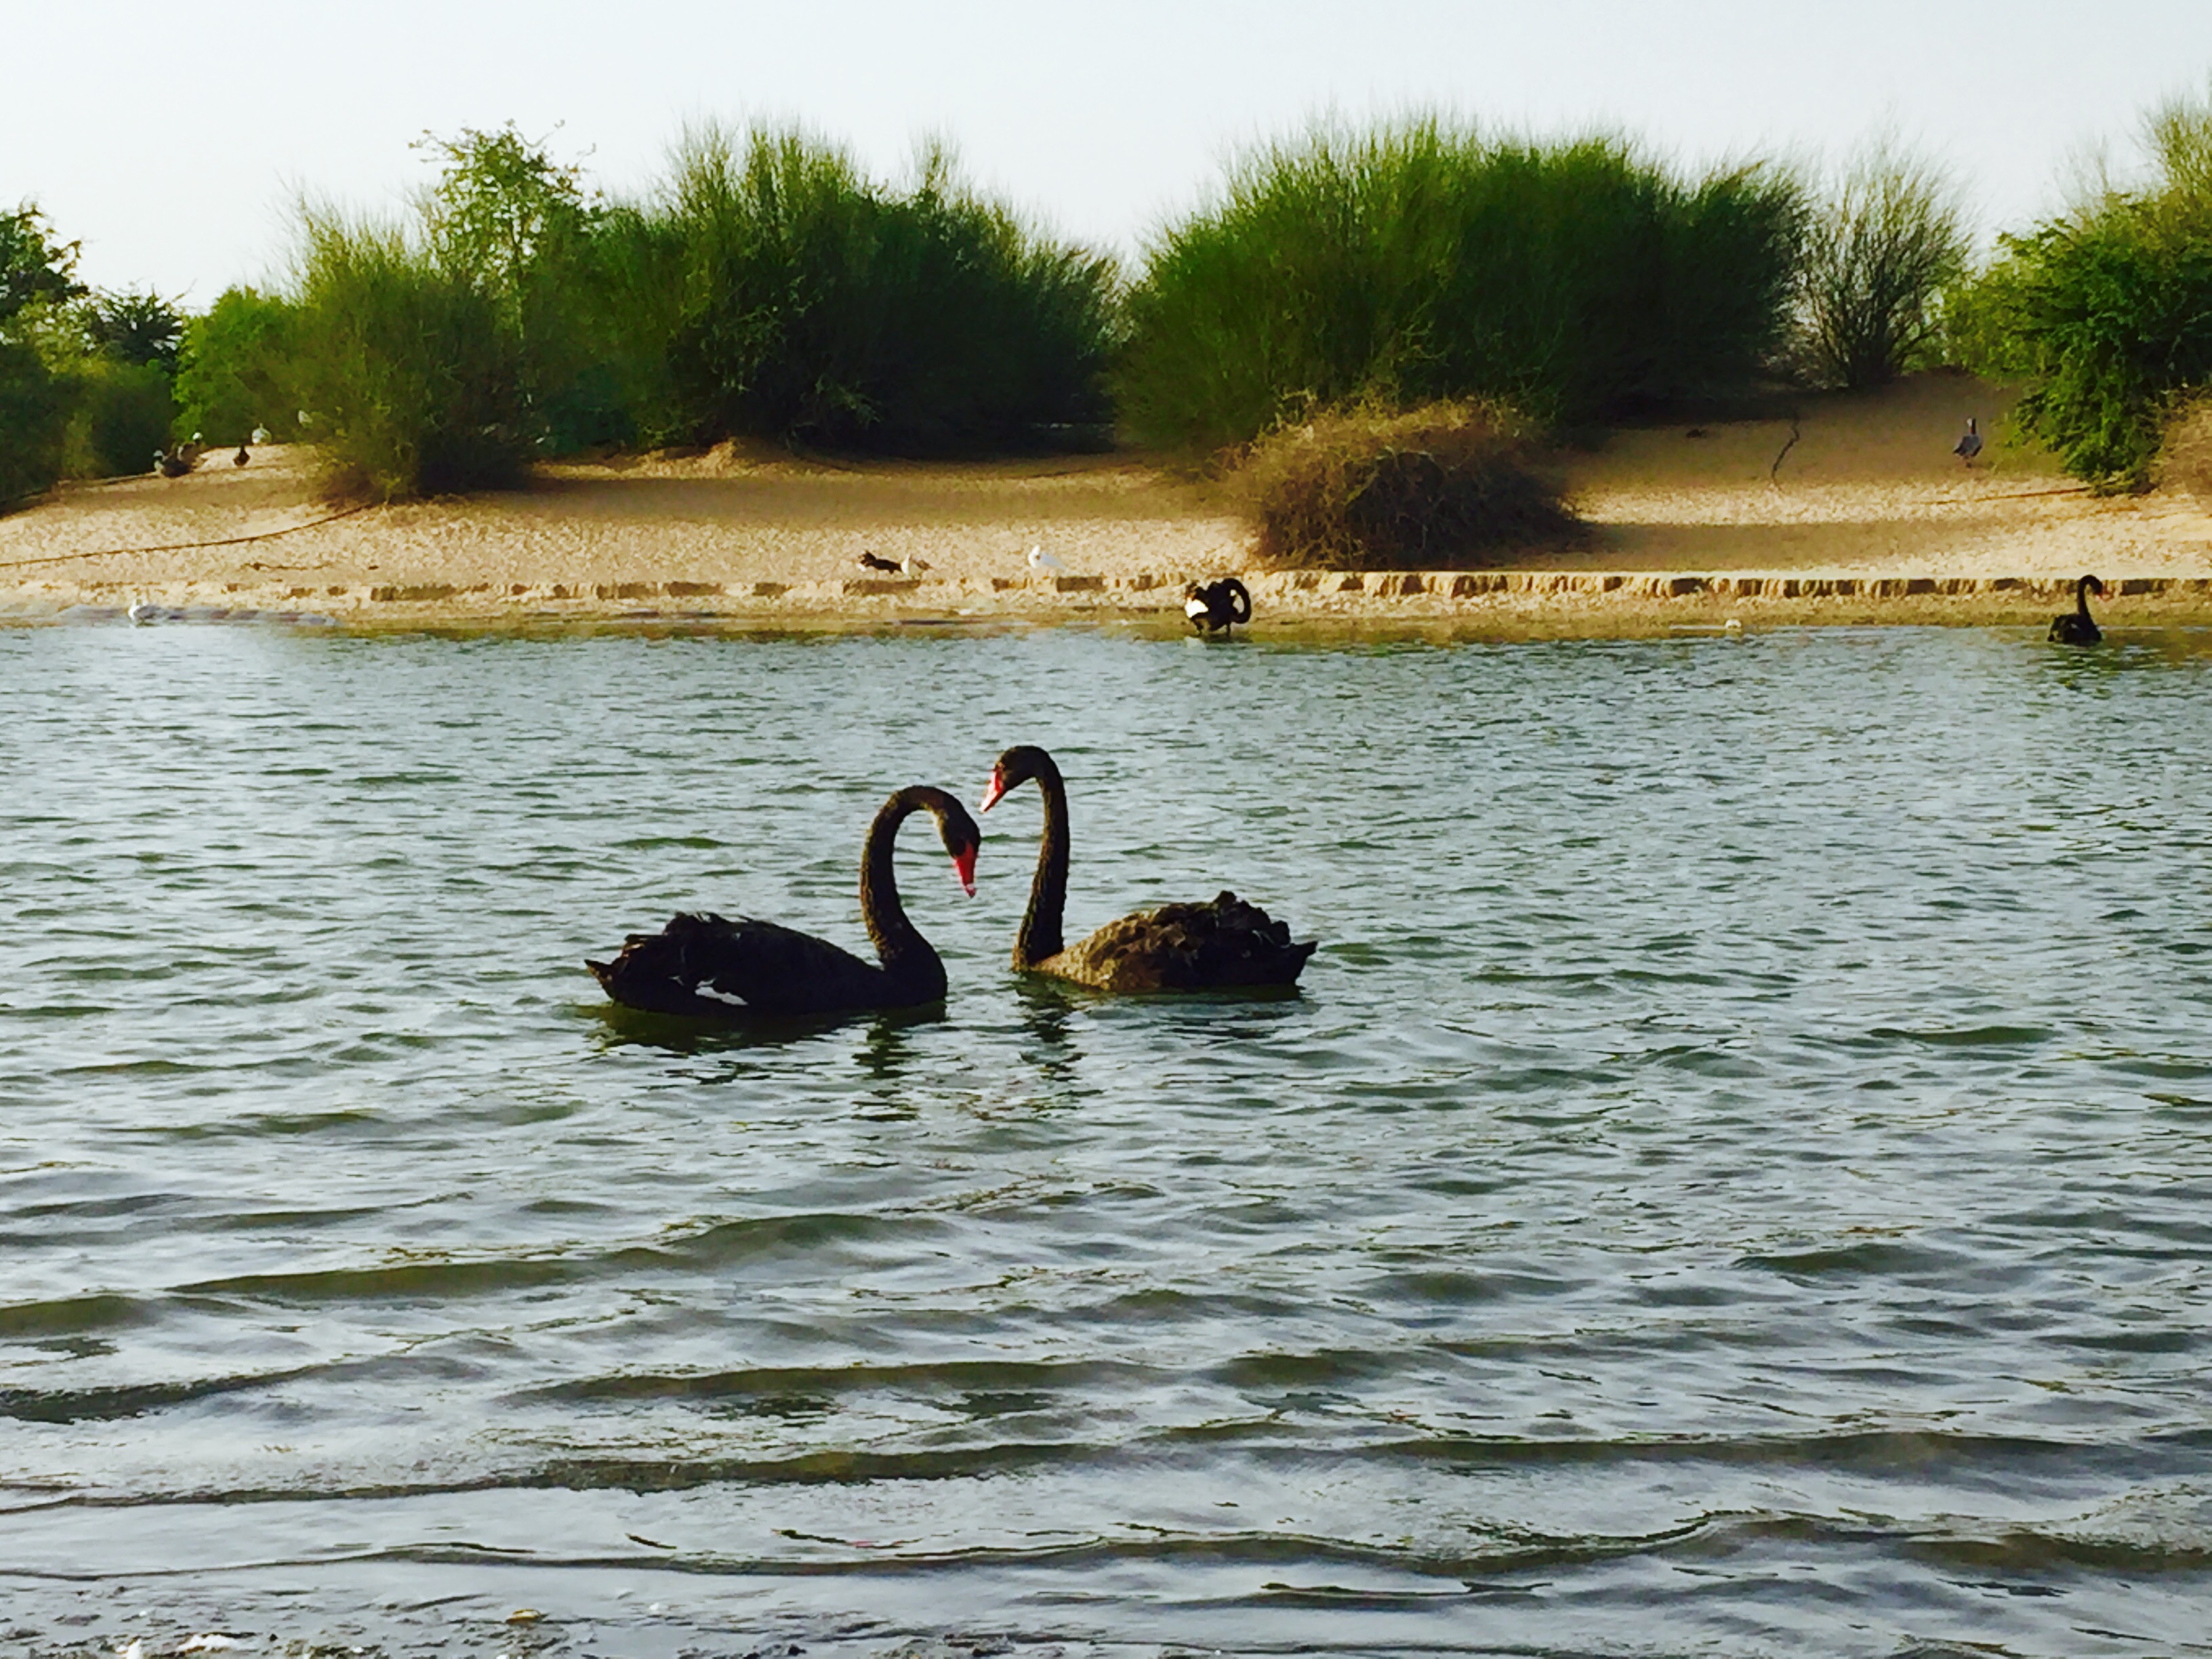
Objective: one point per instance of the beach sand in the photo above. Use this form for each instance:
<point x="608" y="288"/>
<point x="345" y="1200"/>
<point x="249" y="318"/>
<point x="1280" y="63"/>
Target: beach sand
<point x="1866" y="517"/>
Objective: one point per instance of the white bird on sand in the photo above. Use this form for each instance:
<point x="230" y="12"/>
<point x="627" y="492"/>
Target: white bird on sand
<point x="911" y="566"/>
<point x="260" y="434"/>
<point x="1969" y="444"/>
<point x="1041" y="560"/>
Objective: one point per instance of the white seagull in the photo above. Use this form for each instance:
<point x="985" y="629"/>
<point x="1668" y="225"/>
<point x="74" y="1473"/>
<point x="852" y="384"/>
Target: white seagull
<point x="1041" y="560"/>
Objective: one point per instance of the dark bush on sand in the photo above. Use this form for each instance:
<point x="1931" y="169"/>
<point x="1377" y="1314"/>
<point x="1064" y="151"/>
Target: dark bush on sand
<point x="1577" y="280"/>
<point x="34" y="412"/>
<point x="120" y="420"/>
<point x="1366" y="489"/>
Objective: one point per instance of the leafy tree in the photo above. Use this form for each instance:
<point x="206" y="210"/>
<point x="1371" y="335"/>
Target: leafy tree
<point x="135" y="327"/>
<point x="502" y="207"/>
<point x="33" y="266"/>
<point x="236" y="370"/>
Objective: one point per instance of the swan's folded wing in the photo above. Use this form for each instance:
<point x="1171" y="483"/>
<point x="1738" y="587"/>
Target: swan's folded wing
<point x="1193" y="947"/>
<point x="702" y="964"/>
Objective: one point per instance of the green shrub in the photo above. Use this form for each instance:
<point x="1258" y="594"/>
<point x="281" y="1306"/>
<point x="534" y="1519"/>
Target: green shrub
<point x="235" y="372"/>
<point x="814" y="305"/>
<point x="34" y="410"/>
<point x="1368" y="488"/>
<point x="2106" y="313"/>
<point x="1577" y="280"/>
<point x="121" y="418"/>
<point x="1878" y="257"/>
<point x="410" y="371"/>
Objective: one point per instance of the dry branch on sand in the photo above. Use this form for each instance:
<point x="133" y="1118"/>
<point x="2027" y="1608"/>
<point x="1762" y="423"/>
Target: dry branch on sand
<point x="1442" y="484"/>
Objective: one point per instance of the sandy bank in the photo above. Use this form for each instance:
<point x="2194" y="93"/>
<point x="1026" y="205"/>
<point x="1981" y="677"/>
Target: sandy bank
<point x="1867" y="518"/>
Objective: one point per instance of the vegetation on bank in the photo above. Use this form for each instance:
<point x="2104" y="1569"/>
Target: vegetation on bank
<point x="1577" y="281"/>
<point x="2106" y="311"/>
<point x="770" y="291"/>
<point x="1484" y="288"/>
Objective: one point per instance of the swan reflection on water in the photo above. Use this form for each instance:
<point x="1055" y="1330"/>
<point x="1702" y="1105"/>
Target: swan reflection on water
<point x="711" y="1034"/>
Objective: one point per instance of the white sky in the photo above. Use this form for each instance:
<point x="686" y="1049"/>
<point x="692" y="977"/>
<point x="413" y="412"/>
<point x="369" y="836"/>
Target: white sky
<point x="171" y="140"/>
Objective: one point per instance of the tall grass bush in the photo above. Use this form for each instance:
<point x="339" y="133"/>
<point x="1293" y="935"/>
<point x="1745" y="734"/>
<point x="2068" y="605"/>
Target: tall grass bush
<point x="412" y="373"/>
<point x="814" y="305"/>
<point x="1879" y="253"/>
<point x="1369" y="487"/>
<point x="2106" y="311"/>
<point x="1577" y="280"/>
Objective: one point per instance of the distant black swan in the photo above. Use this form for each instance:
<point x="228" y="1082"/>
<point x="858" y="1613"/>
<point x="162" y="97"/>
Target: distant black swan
<point x="2075" y="627"/>
<point x="1217" y="605"/>
<point x="1177" y="947"/>
<point x="707" y="965"/>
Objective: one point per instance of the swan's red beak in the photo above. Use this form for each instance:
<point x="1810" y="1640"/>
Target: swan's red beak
<point x="963" y="863"/>
<point x="995" y="793"/>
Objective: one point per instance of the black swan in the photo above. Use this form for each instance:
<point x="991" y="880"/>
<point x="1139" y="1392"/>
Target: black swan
<point x="1969" y="444"/>
<point x="1177" y="947"/>
<point x="241" y="458"/>
<point x="2075" y="627"/>
<point x="1218" y="604"/>
<point x="707" y="965"/>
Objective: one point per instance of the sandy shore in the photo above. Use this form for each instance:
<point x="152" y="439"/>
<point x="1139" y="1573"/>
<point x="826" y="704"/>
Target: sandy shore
<point x="1866" y="517"/>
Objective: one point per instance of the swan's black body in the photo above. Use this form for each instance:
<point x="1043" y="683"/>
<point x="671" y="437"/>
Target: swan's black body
<point x="2077" y="626"/>
<point x="708" y="964"/>
<point x="241" y="458"/>
<point x="1217" y="605"/>
<point x="1224" y="945"/>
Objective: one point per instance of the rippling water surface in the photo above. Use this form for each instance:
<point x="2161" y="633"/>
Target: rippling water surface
<point x="1738" y="1178"/>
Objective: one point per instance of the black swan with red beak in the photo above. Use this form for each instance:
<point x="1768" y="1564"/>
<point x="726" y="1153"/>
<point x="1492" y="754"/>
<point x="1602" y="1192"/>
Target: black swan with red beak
<point x="707" y="964"/>
<point x="1225" y="945"/>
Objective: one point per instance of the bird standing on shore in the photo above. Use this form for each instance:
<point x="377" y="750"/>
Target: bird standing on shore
<point x="872" y="562"/>
<point x="1041" y="560"/>
<point x="1217" y="605"/>
<point x="1969" y="444"/>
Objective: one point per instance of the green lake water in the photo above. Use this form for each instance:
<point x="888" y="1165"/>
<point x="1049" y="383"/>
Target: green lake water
<point x="1737" y="1179"/>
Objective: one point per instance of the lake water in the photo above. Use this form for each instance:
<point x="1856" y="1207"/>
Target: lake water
<point x="1738" y="1178"/>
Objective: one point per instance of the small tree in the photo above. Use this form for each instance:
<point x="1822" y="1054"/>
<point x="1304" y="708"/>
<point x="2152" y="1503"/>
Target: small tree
<point x="33" y="267"/>
<point x="1877" y="257"/>
<point x="37" y="274"/>
<point x="134" y="327"/>
<point x="236" y="370"/>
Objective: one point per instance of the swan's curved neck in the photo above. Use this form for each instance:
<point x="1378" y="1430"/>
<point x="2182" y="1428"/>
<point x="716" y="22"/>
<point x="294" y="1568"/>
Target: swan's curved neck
<point x="2081" y="597"/>
<point x="896" y="939"/>
<point x="1041" y="924"/>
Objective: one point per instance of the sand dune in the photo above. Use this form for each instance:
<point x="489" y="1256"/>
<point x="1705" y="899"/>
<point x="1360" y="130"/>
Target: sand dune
<point x="1868" y="515"/>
